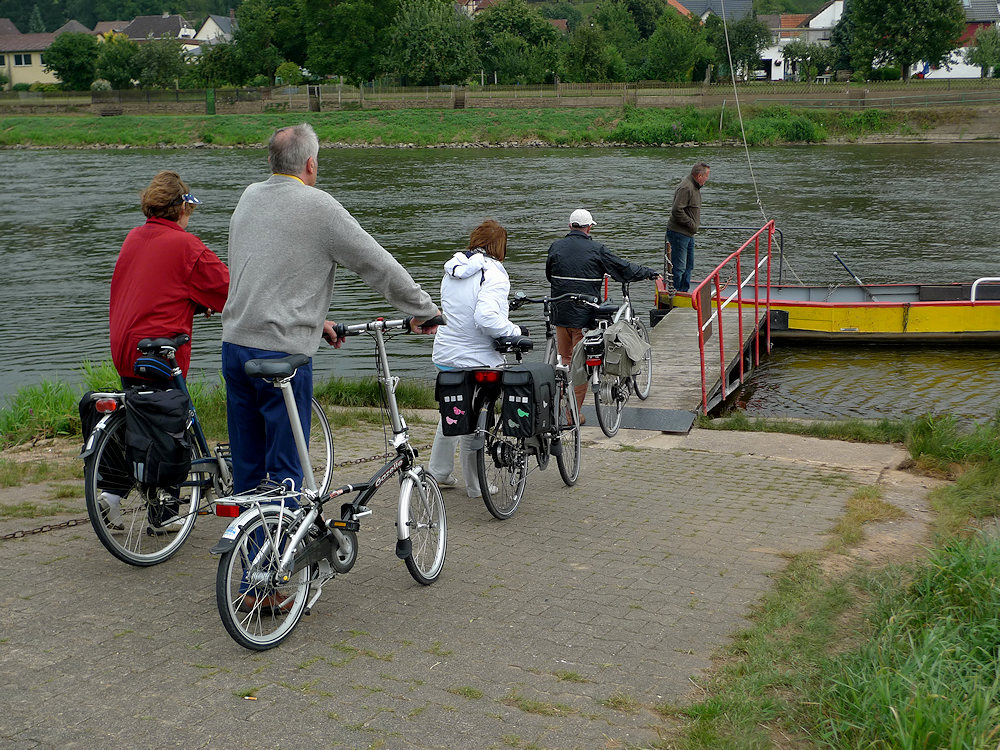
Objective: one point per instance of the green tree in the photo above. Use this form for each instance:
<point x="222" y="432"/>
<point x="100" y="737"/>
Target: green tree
<point x="254" y="38"/>
<point x="986" y="50"/>
<point x="620" y="31"/>
<point x="160" y="63"/>
<point x="35" y="23"/>
<point x="288" y="74"/>
<point x="905" y="32"/>
<point x="646" y="14"/>
<point x="589" y="59"/>
<point x="748" y="37"/>
<point x="563" y="9"/>
<point x="842" y="39"/>
<point x="288" y="36"/>
<point x="348" y="37"/>
<point x="676" y="47"/>
<point x="431" y="43"/>
<point x="73" y="58"/>
<point x="116" y="60"/>
<point x="809" y="59"/>
<point x="516" y="44"/>
<point x="221" y="65"/>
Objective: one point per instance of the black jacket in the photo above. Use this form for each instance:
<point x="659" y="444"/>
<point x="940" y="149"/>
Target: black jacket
<point x="577" y="263"/>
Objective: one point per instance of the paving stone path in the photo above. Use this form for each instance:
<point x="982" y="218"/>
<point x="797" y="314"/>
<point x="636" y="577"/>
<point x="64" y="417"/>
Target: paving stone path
<point x="563" y="627"/>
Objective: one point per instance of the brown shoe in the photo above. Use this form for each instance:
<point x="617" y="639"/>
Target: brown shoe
<point x="271" y="604"/>
<point x="569" y="419"/>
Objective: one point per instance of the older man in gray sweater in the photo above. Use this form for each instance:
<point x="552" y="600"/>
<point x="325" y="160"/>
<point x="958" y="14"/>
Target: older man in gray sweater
<point x="286" y="239"/>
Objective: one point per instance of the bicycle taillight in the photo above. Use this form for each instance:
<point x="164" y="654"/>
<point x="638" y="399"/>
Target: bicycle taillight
<point x="486" y="376"/>
<point x="227" y="510"/>
<point x="105" y="405"/>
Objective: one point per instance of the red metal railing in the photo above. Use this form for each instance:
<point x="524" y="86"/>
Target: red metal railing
<point x="715" y="286"/>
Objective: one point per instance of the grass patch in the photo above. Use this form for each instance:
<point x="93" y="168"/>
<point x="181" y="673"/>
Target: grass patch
<point x="529" y="706"/>
<point x="865" y="505"/>
<point x="466" y="692"/>
<point x="29" y="509"/>
<point x="853" y="430"/>
<point x="16" y="473"/>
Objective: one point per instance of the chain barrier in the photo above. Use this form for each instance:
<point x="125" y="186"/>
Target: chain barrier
<point x="45" y="528"/>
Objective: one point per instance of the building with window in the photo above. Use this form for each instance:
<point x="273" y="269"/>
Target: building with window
<point x="22" y="56"/>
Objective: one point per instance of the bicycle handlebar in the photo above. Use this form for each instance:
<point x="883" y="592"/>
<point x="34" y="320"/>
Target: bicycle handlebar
<point x="381" y="324"/>
<point x="585" y="300"/>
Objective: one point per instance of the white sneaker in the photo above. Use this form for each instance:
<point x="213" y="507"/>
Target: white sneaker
<point x="111" y="510"/>
<point x="493" y="490"/>
<point x="168" y="526"/>
<point x="449" y="481"/>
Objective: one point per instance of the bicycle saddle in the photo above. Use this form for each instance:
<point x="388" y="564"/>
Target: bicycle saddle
<point x="148" y="346"/>
<point x="508" y="344"/>
<point x="606" y="311"/>
<point x="280" y="367"/>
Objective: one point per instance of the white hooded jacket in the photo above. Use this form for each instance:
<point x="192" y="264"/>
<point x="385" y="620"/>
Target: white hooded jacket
<point x="474" y="294"/>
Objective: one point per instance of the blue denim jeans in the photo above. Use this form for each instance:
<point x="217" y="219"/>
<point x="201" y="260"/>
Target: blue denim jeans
<point x="682" y="257"/>
<point x="260" y="435"/>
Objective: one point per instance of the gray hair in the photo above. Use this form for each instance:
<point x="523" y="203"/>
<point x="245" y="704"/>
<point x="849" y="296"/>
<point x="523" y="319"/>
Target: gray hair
<point x="290" y="148"/>
<point x="699" y="168"/>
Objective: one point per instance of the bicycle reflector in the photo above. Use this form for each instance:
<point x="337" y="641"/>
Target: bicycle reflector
<point x="105" y="405"/>
<point x="486" y="376"/>
<point x="227" y="510"/>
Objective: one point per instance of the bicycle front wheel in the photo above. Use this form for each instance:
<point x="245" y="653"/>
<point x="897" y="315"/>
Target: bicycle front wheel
<point x="643" y="381"/>
<point x="428" y="525"/>
<point x="503" y="465"/>
<point x="122" y="512"/>
<point x="608" y="403"/>
<point x="321" y="448"/>
<point x="259" y="609"/>
<point x="568" y="416"/>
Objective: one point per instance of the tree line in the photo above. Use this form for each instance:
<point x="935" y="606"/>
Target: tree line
<point x="430" y="42"/>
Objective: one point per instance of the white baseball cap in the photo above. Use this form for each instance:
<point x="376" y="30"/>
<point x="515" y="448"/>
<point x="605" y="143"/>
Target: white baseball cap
<point x="582" y="218"/>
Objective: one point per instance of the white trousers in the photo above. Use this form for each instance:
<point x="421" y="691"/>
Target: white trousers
<point x="442" y="461"/>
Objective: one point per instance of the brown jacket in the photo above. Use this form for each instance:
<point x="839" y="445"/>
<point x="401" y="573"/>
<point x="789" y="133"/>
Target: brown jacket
<point x="685" y="214"/>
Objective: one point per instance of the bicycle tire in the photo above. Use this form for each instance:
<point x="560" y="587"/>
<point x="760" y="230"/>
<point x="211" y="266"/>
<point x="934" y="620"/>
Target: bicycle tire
<point x="607" y="404"/>
<point x="427" y="521"/>
<point x="249" y="612"/>
<point x="134" y="542"/>
<point x="570" y="442"/>
<point x="321" y="448"/>
<point x="502" y="463"/>
<point x="643" y="382"/>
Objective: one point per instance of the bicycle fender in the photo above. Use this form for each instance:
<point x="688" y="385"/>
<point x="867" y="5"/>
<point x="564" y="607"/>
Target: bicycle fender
<point x="99" y="429"/>
<point x="228" y="539"/>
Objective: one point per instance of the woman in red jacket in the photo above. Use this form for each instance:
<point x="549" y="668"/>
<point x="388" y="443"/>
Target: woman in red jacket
<point x="164" y="274"/>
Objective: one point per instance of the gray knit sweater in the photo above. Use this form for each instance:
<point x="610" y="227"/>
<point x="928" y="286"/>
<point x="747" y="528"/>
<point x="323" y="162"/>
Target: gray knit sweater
<point x="285" y="242"/>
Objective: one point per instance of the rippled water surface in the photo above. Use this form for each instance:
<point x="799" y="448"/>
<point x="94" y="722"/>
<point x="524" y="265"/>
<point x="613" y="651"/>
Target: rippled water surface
<point x="894" y="213"/>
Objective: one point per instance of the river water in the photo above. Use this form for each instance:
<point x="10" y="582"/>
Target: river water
<point x="893" y="212"/>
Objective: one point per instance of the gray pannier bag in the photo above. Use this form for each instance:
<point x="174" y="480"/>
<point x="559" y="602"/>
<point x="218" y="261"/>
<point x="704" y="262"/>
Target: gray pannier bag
<point x="623" y="350"/>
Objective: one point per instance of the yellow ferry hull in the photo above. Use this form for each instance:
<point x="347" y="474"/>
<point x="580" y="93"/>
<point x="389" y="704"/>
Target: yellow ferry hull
<point x="889" y="313"/>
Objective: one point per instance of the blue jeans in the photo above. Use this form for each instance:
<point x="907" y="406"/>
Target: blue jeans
<point x="682" y="257"/>
<point x="260" y="435"/>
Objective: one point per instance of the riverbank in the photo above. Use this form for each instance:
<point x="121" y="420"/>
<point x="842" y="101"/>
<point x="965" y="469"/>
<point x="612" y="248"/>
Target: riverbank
<point x="621" y="127"/>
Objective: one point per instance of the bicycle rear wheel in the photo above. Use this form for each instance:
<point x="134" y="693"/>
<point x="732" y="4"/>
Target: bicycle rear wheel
<point x="609" y="404"/>
<point x="257" y="609"/>
<point x="428" y="526"/>
<point x="321" y="448"/>
<point x="568" y="416"/>
<point x="503" y="465"/>
<point x="644" y="380"/>
<point x="124" y="526"/>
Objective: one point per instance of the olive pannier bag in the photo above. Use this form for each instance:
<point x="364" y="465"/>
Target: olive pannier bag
<point x="528" y="399"/>
<point x="157" y="445"/>
<point x="454" y="391"/>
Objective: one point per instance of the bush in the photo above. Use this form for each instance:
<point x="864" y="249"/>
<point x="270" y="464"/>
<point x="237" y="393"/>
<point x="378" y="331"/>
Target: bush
<point x="259" y="81"/>
<point x="21" y="87"/>
<point x="891" y="73"/>
<point x="100" y="84"/>
<point x="857" y="76"/>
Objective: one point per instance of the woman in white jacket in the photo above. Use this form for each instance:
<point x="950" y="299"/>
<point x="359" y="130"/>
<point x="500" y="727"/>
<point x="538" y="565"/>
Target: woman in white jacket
<point x="474" y="294"/>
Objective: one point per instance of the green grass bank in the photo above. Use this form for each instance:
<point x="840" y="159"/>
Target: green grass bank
<point x="630" y="126"/>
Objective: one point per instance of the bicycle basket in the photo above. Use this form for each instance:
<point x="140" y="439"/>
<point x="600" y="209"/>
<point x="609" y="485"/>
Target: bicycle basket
<point x="156" y="439"/>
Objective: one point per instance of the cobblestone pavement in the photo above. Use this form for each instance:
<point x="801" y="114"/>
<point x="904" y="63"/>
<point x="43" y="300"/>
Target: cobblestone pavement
<point x="562" y="627"/>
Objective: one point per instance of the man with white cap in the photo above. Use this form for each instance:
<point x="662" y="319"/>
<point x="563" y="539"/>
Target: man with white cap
<point x="577" y="263"/>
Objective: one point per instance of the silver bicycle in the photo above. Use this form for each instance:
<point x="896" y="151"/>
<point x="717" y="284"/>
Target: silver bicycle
<point x="279" y="550"/>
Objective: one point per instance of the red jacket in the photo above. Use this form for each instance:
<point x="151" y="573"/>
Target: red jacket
<point x="163" y="273"/>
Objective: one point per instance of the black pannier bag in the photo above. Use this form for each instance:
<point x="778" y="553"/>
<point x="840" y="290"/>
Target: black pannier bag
<point x="454" y="392"/>
<point x="529" y="394"/>
<point x="157" y="445"/>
